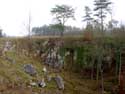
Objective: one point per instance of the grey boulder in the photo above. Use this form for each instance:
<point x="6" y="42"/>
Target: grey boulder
<point x="28" y="68"/>
<point x="60" y="82"/>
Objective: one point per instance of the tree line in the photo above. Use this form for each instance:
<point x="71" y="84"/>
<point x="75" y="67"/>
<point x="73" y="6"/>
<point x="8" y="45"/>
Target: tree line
<point x="46" y="30"/>
<point x="94" y="18"/>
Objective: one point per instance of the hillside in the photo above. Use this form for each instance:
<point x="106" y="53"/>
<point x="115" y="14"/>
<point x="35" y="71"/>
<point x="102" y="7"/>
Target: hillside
<point x="14" y="80"/>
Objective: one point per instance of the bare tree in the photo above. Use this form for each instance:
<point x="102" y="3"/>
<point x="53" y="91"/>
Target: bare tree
<point x="29" y="25"/>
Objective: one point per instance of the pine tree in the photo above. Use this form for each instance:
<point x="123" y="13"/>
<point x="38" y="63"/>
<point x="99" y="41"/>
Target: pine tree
<point x="87" y="16"/>
<point x="1" y="34"/>
<point x="62" y="13"/>
<point x="102" y="7"/>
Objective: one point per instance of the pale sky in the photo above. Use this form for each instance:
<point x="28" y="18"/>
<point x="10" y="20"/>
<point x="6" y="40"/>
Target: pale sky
<point x="14" y="13"/>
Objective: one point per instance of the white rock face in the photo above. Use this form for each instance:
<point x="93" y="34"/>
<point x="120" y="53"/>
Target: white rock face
<point x="33" y="84"/>
<point x="67" y="53"/>
<point x="42" y="83"/>
<point x="44" y="69"/>
<point x="60" y="82"/>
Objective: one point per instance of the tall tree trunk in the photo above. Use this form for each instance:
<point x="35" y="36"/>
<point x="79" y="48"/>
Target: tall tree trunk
<point x="102" y="28"/>
<point x="92" y="70"/>
<point x="97" y="73"/>
<point x="102" y="81"/>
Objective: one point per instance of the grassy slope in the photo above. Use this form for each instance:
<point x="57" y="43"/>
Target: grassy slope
<point x="13" y="79"/>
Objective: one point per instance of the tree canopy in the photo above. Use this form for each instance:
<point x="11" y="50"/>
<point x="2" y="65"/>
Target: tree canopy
<point x="101" y="8"/>
<point x="61" y="14"/>
<point x="88" y="18"/>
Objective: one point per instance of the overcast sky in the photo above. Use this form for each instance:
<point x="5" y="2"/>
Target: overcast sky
<point x="14" y="13"/>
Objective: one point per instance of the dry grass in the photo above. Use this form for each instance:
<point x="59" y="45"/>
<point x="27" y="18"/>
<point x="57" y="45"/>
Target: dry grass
<point x="13" y="79"/>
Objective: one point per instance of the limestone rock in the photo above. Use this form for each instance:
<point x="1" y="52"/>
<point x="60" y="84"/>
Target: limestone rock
<point x="28" y="68"/>
<point x="60" y="82"/>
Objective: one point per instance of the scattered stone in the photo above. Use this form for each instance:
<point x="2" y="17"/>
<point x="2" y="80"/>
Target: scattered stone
<point x="8" y="45"/>
<point x="4" y="51"/>
<point x="28" y="68"/>
<point x="67" y="53"/>
<point x="44" y="69"/>
<point x="33" y="84"/>
<point x="60" y="82"/>
<point x="54" y="60"/>
<point x="35" y="93"/>
<point x="45" y="72"/>
<point x="42" y="83"/>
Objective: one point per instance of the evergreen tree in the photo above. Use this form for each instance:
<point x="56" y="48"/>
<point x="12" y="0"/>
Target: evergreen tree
<point x="102" y="8"/>
<point x="1" y="35"/>
<point x="62" y="13"/>
<point x="87" y="16"/>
